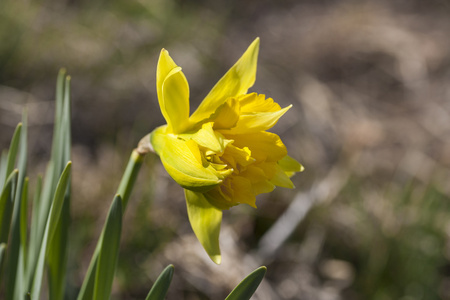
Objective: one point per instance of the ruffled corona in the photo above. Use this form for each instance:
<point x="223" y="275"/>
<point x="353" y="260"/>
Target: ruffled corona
<point x="222" y="155"/>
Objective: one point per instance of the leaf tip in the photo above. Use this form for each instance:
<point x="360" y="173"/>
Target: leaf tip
<point x="217" y="259"/>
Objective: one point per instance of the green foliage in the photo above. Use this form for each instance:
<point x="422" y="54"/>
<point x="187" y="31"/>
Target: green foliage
<point x="245" y="289"/>
<point x="161" y="286"/>
<point x="109" y="253"/>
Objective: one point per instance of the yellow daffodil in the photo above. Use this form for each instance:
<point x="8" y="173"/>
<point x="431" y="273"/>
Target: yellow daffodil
<point x="222" y="154"/>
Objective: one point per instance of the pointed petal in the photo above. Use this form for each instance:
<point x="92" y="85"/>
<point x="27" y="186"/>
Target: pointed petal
<point x="173" y="93"/>
<point x="184" y="162"/>
<point x="289" y="164"/>
<point x="206" y="137"/>
<point x="205" y="221"/>
<point x="250" y="123"/>
<point x="235" y="82"/>
<point x="281" y="179"/>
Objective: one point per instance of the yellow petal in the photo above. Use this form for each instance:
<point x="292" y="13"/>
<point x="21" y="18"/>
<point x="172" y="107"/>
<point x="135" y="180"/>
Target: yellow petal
<point x="250" y="123"/>
<point x="207" y="138"/>
<point x="227" y="115"/>
<point x="264" y="146"/>
<point x="184" y="162"/>
<point x="254" y="102"/>
<point x="237" y="157"/>
<point x="205" y="221"/>
<point x="281" y="179"/>
<point x="173" y="93"/>
<point x="262" y="187"/>
<point x="235" y="82"/>
<point x="289" y="164"/>
<point x="243" y="191"/>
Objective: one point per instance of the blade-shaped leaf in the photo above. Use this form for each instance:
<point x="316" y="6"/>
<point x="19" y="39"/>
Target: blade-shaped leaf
<point x="50" y="229"/>
<point x="58" y="248"/>
<point x="12" y="153"/>
<point x="2" y="260"/>
<point x="161" y="285"/>
<point x="15" y="259"/>
<point x="7" y="205"/>
<point x="124" y="190"/>
<point x="3" y="166"/>
<point x="248" y="286"/>
<point x="109" y="252"/>
<point x="33" y="248"/>
<point x="24" y="220"/>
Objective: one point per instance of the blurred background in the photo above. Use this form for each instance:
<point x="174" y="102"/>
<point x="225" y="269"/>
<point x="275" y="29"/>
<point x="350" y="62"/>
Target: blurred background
<point x="370" y="86"/>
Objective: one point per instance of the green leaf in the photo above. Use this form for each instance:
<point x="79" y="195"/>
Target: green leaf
<point x="58" y="248"/>
<point x="24" y="220"/>
<point x="124" y="190"/>
<point x="50" y="229"/>
<point x="109" y="252"/>
<point x="15" y="269"/>
<point x="6" y="205"/>
<point x="2" y="260"/>
<point x="161" y="285"/>
<point x="3" y="166"/>
<point x="58" y="200"/>
<point x="14" y="147"/>
<point x="33" y="249"/>
<point x="18" y="249"/>
<point x="205" y="220"/>
<point x="248" y="286"/>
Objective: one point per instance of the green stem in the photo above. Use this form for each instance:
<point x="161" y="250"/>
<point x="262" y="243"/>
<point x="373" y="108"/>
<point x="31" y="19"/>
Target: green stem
<point x="129" y="176"/>
<point x="124" y="191"/>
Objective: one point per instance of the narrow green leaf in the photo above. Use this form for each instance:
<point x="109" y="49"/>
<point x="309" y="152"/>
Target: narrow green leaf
<point x="58" y="199"/>
<point x="20" y="245"/>
<point x="109" y="252"/>
<point x="2" y="260"/>
<point x="24" y="219"/>
<point x="58" y="253"/>
<point x="7" y="205"/>
<point x="40" y="216"/>
<point x="12" y="153"/>
<point x="161" y="285"/>
<point x="124" y="190"/>
<point x="34" y="243"/>
<point x="50" y="229"/>
<point x="87" y="288"/>
<point x="15" y="268"/>
<point x="58" y="248"/>
<point x="248" y="286"/>
<point x="3" y="166"/>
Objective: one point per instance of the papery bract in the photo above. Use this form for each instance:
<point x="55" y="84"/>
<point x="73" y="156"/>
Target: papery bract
<point x="222" y="155"/>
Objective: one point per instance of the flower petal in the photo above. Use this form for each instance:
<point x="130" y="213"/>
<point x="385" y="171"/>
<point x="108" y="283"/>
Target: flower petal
<point x="207" y="138"/>
<point x="281" y="179"/>
<point x="235" y="82"/>
<point x="205" y="221"/>
<point x="173" y="93"/>
<point x="227" y="115"/>
<point x="289" y="164"/>
<point x="250" y="123"/>
<point x="184" y="162"/>
<point x="254" y="102"/>
<point x="264" y="146"/>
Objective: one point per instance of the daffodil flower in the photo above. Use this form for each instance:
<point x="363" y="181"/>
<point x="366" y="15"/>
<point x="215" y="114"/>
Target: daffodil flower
<point x="222" y="155"/>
